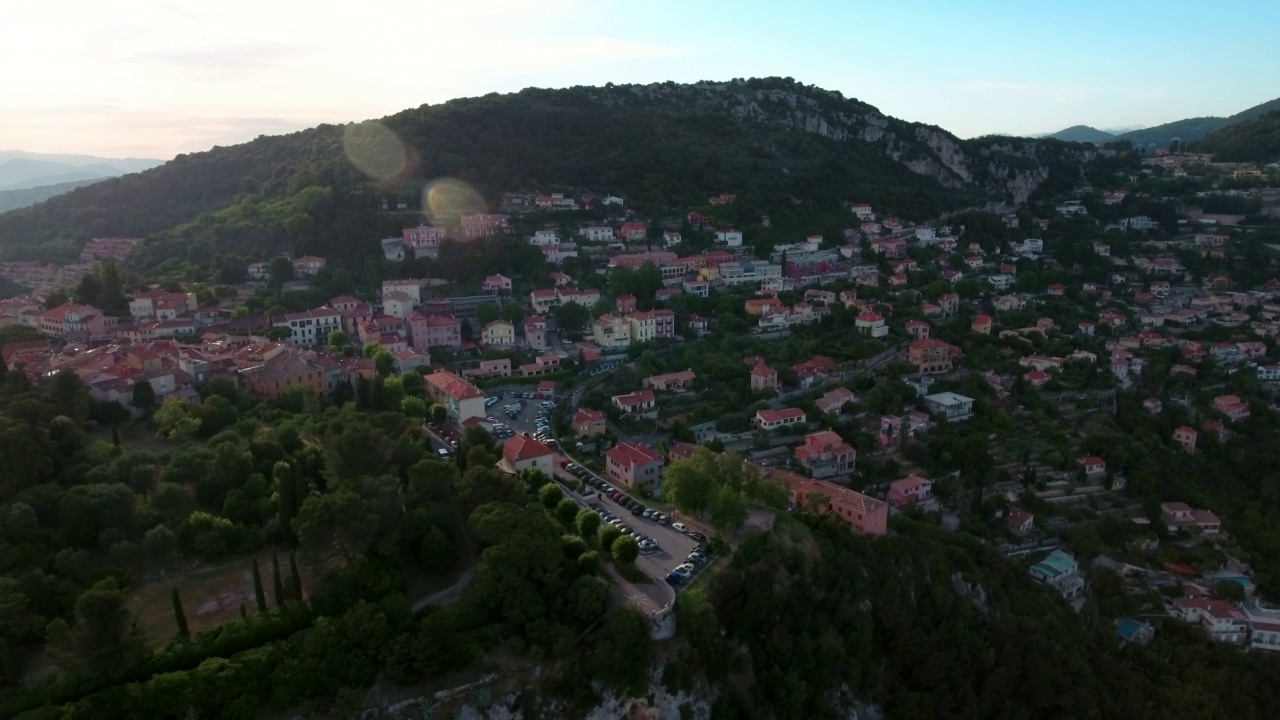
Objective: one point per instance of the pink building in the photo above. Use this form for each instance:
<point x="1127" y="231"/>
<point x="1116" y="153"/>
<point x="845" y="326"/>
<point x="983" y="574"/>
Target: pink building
<point x="497" y="283"/>
<point x="910" y="490"/>
<point x="890" y="431"/>
<point x="635" y="465"/>
<point x="860" y="512"/>
<point x="428" y="331"/>
<point x="825" y="454"/>
<point x="424" y="239"/>
<point x="1186" y="437"/>
<point x="763" y="378"/>
<point x="483" y="225"/>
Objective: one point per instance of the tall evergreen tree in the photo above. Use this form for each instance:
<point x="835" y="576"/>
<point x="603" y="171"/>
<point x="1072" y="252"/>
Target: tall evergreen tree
<point x="244" y="614"/>
<point x="277" y="585"/>
<point x="179" y="616"/>
<point x="259" y="594"/>
<point x="294" y="577"/>
<point x="115" y="435"/>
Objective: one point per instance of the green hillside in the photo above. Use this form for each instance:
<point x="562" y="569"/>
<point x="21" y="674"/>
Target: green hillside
<point x="14" y="199"/>
<point x="1082" y="134"/>
<point x="1256" y="140"/>
<point x="1193" y="129"/>
<point x="777" y="144"/>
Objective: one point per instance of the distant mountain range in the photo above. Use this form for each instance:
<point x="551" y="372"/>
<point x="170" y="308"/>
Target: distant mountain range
<point x="1162" y="135"/>
<point x="27" y="178"/>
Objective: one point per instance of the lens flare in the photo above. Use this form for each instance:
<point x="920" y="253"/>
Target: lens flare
<point x="447" y="199"/>
<point x="375" y="150"/>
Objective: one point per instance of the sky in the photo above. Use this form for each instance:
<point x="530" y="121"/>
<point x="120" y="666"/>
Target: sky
<point x="154" y="78"/>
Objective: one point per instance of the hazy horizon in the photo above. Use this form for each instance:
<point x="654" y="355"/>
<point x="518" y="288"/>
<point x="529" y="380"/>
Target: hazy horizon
<point x="150" y="79"/>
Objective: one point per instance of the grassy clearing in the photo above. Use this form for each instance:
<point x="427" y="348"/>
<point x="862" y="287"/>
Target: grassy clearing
<point x="211" y="595"/>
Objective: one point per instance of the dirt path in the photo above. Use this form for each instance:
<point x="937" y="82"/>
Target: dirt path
<point x="449" y="595"/>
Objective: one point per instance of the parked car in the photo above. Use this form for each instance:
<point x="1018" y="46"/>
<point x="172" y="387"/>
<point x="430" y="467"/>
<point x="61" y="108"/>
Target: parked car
<point x="696" y="536"/>
<point x="679" y="527"/>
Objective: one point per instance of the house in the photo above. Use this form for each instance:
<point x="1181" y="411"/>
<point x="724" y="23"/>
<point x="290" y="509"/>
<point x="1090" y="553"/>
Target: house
<point x="498" y="334"/>
<point x="1061" y="572"/>
<point x="1224" y="622"/>
<point x="543" y="301"/>
<point x="1037" y="378"/>
<point x="953" y="406"/>
<point x="918" y="329"/>
<point x="1095" y="468"/>
<point x="638" y="404"/>
<point x="1009" y="302"/>
<point x="950" y="303"/>
<point x="497" y="367"/>
<point x="633" y="465"/>
<point x="729" y="238"/>
<point x="588" y="423"/>
<point x="68" y="321"/>
<point x="671" y="238"/>
<point x="521" y="452"/>
<point x="1232" y="406"/>
<point x="763" y="378"/>
<point x="1057" y="290"/>
<point x="833" y="401"/>
<point x="497" y="283"/>
<point x="461" y="400"/>
<point x="769" y="419"/>
<point x="1179" y="516"/>
<point x="428" y="331"/>
<point x="911" y="490"/>
<point x="424" y="239"/>
<point x="699" y="325"/>
<point x="310" y="327"/>
<point x="624" y="304"/>
<point x="611" y="332"/>
<point x="307" y="266"/>
<point x="161" y="305"/>
<point x="1020" y="521"/>
<point x="632" y="232"/>
<point x="480" y="225"/>
<point x="681" y="380"/>
<point x="870" y="323"/>
<point x="1264" y="625"/>
<point x="597" y="233"/>
<point x="825" y="454"/>
<point x="861" y="512"/>
<point x="542" y="365"/>
<point x="1001" y="282"/>
<point x="282" y="373"/>
<point x="651" y="325"/>
<point x="890" y="431"/>
<point x="1153" y="406"/>
<point x="932" y="356"/>
<point x="981" y="325"/>
<point x="397" y="304"/>
<point x="815" y="369"/>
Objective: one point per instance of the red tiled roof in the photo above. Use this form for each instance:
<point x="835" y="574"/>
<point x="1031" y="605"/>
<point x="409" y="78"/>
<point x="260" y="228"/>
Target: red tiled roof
<point x="523" y="447"/>
<point x="453" y="386"/>
<point x="633" y="455"/>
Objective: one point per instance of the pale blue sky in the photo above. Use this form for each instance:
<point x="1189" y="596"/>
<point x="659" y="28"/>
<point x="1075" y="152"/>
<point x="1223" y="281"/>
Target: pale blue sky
<point x="157" y="77"/>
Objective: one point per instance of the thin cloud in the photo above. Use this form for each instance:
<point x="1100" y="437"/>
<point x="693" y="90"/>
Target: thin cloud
<point x="1026" y="91"/>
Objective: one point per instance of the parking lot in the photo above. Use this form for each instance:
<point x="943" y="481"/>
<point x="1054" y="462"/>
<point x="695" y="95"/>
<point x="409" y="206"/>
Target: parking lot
<point x="525" y="421"/>
<point x="673" y="546"/>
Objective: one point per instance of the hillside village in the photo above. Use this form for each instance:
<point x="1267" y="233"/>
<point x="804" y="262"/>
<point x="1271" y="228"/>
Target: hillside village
<point x="980" y="368"/>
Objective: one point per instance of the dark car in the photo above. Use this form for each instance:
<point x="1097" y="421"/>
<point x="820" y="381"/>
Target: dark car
<point x="698" y="536"/>
<point x="675" y="580"/>
<point x="637" y="510"/>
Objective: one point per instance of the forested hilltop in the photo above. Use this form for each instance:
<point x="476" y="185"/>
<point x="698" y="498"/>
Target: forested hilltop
<point x="773" y="142"/>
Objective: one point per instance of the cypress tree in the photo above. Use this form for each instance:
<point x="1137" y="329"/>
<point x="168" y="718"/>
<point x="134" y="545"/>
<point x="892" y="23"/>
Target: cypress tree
<point x="277" y="585"/>
<point x="259" y="594"/>
<point x="179" y="616"/>
<point x="294" y="577"/>
<point x="244" y="615"/>
<point x="115" y="435"/>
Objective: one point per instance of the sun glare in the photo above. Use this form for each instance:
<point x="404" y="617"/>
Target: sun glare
<point x="375" y="150"/>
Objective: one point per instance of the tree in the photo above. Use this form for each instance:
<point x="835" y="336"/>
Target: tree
<point x="281" y="271"/>
<point x="277" y="583"/>
<point x="588" y="523"/>
<point x="625" y="652"/>
<point x="438" y="414"/>
<point x="112" y="299"/>
<point x="295" y="578"/>
<point x="567" y="511"/>
<point x="104" y="639"/>
<point x="625" y="550"/>
<point x="259" y="594"/>
<point x="488" y="312"/>
<point x="384" y="362"/>
<point x="608" y="534"/>
<point x="570" y="317"/>
<point x="690" y="483"/>
<point x="173" y="421"/>
<point x="512" y="312"/>
<point x="179" y="616"/>
<point x="550" y="495"/>
<point x="158" y="542"/>
<point x="144" y="396"/>
<point x="335" y="525"/>
<point x="436" y="554"/>
<point x="338" y="342"/>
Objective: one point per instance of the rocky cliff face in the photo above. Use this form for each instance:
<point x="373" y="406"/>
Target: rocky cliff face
<point x="1004" y="171"/>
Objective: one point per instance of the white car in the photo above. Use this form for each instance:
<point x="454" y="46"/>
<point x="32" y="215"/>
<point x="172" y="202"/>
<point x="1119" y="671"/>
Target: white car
<point x="679" y="527"/>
